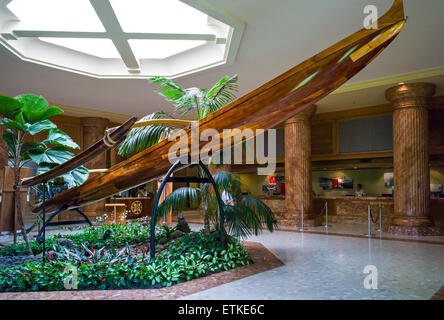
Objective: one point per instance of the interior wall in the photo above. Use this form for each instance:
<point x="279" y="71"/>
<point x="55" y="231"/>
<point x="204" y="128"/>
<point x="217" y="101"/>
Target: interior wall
<point x="371" y="179"/>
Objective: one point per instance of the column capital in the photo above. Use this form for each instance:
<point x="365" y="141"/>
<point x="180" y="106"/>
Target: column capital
<point x="304" y="115"/>
<point x="410" y="95"/>
<point x="94" y="122"/>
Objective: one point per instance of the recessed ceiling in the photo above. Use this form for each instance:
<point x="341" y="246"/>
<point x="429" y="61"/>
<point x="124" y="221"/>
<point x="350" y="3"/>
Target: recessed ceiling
<point x="120" y="39"/>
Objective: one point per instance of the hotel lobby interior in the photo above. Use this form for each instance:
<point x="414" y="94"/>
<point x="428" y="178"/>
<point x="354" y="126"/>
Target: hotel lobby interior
<point x="352" y="209"/>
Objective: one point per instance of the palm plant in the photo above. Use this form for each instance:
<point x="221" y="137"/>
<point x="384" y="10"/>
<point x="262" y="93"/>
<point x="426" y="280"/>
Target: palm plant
<point x="191" y="101"/>
<point x="245" y="216"/>
<point x="28" y="115"/>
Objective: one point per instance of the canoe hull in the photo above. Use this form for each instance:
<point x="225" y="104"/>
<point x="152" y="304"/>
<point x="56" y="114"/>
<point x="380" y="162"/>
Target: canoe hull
<point x="264" y="108"/>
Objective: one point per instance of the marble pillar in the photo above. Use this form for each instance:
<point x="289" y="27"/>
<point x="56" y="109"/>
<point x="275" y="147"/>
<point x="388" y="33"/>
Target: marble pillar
<point x="411" y="159"/>
<point x="93" y="130"/>
<point x="298" y="184"/>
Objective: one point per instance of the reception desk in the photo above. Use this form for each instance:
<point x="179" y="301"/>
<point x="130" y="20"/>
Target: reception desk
<point x="341" y="209"/>
<point x="348" y="209"/>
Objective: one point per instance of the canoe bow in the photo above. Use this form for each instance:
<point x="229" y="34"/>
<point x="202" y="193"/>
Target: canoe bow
<point x="263" y="108"/>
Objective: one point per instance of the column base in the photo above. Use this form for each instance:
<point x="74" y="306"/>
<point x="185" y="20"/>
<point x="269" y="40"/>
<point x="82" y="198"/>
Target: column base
<point x="309" y="221"/>
<point x="413" y="231"/>
<point x="413" y="226"/>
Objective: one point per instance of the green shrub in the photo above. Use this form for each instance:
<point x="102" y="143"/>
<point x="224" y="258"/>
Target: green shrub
<point x="131" y="233"/>
<point x="192" y="256"/>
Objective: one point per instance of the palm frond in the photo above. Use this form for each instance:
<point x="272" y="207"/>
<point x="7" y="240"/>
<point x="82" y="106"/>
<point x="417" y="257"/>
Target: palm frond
<point x="168" y="89"/>
<point x="239" y="222"/>
<point x="177" y="200"/>
<point x="192" y="100"/>
<point x="222" y="93"/>
<point x="141" y="138"/>
<point x="260" y="210"/>
<point x="226" y="181"/>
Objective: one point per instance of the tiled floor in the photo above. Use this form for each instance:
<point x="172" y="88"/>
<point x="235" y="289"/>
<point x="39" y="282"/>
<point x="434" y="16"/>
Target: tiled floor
<point x="327" y="267"/>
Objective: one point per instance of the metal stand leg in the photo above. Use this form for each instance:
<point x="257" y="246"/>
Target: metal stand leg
<point x="160" y="191"/>
<point x="44" y="219"/>
<point x="369" y="232"/>
<point x="155" y="206"/>
<point x="380" y="219"/>
<point x="326" y="215"/>
<point x="219" y="201"/>
<point x="302" y="219"/>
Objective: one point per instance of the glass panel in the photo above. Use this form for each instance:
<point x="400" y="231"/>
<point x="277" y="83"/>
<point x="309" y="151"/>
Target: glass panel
<point x="161" y="49"/>
<point x="56" y="15"/>
<point x="102" y="48"/>
<point x="161" y="16"/>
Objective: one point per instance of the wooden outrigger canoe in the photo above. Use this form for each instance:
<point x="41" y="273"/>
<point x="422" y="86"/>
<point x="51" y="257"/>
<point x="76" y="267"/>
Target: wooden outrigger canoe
<point x="263" y="108"/>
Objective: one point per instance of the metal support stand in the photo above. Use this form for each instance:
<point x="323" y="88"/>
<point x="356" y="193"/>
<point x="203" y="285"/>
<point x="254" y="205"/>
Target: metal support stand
<point x="41" y="236"/>
<point x="380" y="219"/>
<point x="44" y="185"/>
<point x="369" y="232"/>
<point x="326" y="215"/>
<point x="168" y="178"/>
<point x="302" y="219"/>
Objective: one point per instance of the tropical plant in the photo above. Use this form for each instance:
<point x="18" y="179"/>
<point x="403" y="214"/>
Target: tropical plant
<point x="244" y="214"/>
<point x="192" y="256"/>
<point x="28" y="115"/>
<point x="194" y="102"/>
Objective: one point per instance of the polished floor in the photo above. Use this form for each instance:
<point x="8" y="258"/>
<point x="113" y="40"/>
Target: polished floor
<point x="331" y="267"/>
<point x="325" y="266"/>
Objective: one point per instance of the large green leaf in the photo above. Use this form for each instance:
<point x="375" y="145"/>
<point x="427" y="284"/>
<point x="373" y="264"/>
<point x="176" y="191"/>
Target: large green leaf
<point x="41" y="126"/>
<point x="13" y="124"/>
<point x="37" y="147"/>
<point x="73" y="178"/>
<point x="60" y="138"/>
<point x="10" y="107"/>
<point x="10" y="139"/>
<point x="35" y="108"/>
<point x="76" y="177"/>
<point x="56" y="155"/>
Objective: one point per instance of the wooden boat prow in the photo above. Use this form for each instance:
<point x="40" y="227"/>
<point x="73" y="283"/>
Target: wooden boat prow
<point x="263" y="108"/>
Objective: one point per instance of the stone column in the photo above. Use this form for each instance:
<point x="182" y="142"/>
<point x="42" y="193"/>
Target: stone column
<point x="411" y="159"/>
<point x="93" y="130"/>
<point x="298" y="185"/>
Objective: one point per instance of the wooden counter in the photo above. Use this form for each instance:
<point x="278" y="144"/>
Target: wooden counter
<point x="341" y="209"/>
<point x="349" y="209"/>
<point x="136" y="206"/>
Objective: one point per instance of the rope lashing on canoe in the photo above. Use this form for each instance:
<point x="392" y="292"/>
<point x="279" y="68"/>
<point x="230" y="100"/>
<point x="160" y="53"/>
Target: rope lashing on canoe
<point x="108" y="141"/>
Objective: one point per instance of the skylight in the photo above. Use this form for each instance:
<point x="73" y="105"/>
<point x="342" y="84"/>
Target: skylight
<point x="120" y="38"/>
<point x="102" y="48"/>
<point x="161" y="49"/>
<point x="164" y="16"/>
<point x="62" y="15"/>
